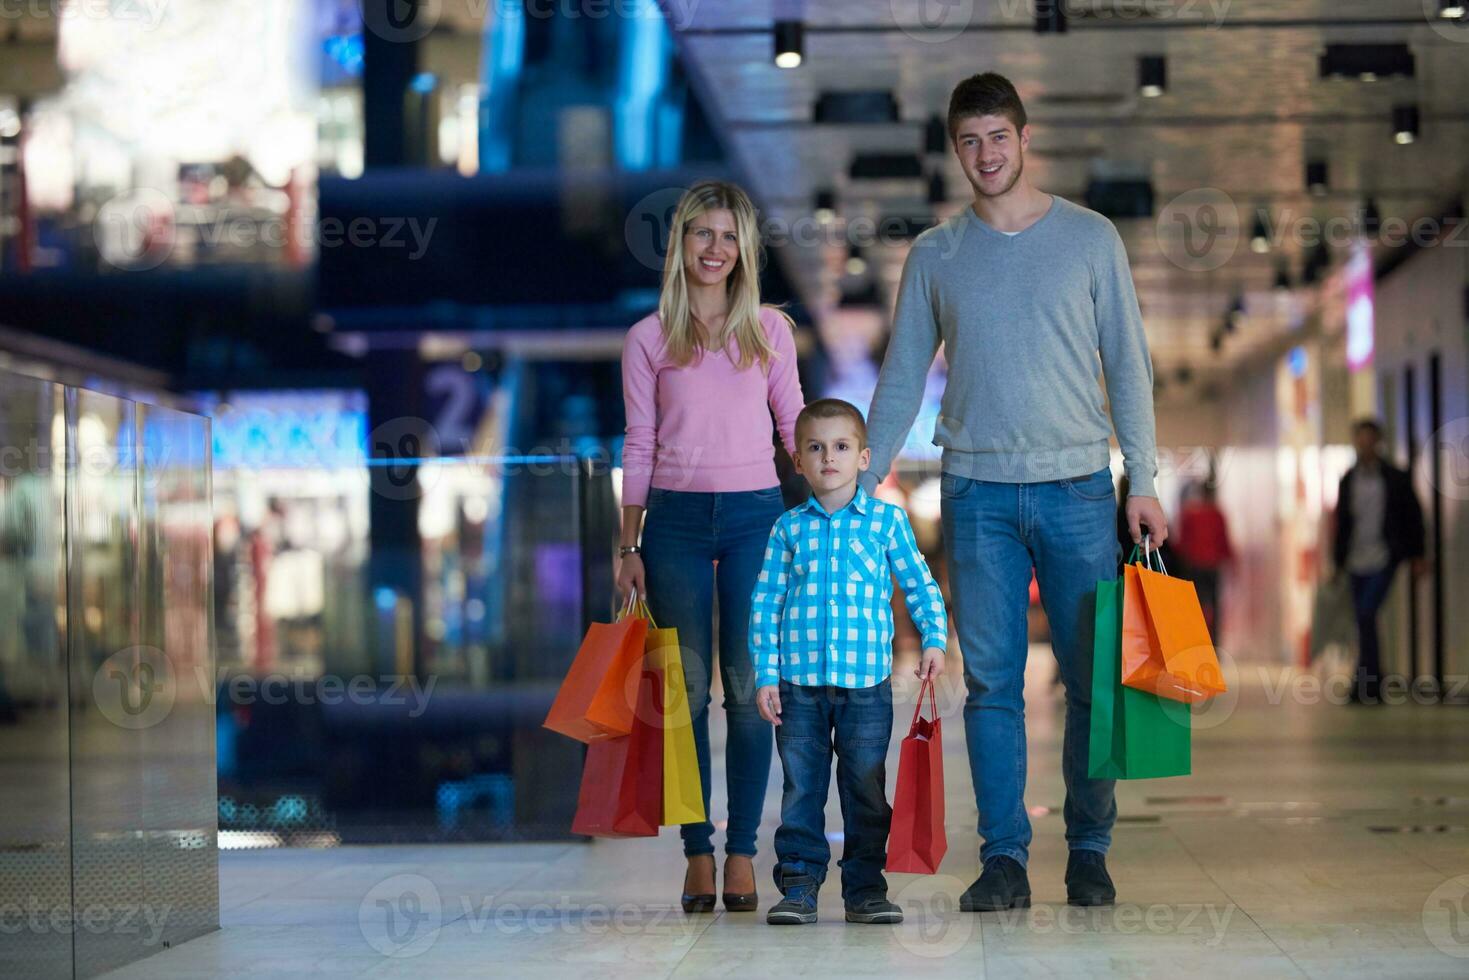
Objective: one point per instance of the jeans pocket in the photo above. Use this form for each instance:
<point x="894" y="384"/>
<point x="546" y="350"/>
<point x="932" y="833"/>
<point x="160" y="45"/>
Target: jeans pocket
<point x="1097" y="486"/>
<point x="953" y="486"/>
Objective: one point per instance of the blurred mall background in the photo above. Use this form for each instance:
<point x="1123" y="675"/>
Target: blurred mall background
<point x="390" y="250"/>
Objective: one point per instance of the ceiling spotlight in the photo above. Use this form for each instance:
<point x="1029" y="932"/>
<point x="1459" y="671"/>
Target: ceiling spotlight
<point x="1236" y="314"/>
<point x="1451" y="9"/>
<point x="825" y="206"/>
<point x="1404" y="124"/>
<point x="1371" y="217"/>
<point x="1260" y="236"/>
<point x="935" y="135"/>
<point x="1282" y="277"/>
<point x="856" y="264"/>
<point x="789" y="43"/>
<point x="1152" y="75"/>
<point x="938" y="188"/>
<point x="1316" y="177"/>
<point x="1050" y="16"/>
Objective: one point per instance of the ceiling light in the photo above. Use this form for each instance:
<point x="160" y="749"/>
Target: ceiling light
<point x="1316" y="181"/>
<point x="789" y="43"/>
<point x="856" y="264"/>
<point x="1451" y="9"/>
<point x="938" y="189"/>
<point x="825" y="206"/>
<point x="1404" y="124"/>
<point x="1050" y="16"/>
<point x="1282" y="276"/>
<point x="1260" y="236"/>
<point x="1152" y="75"/>
<point x="1371" y="217"/>
<point x="935" y="135"/>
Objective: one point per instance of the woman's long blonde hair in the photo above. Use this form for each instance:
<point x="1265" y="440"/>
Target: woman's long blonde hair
<point x="742" y="322"/>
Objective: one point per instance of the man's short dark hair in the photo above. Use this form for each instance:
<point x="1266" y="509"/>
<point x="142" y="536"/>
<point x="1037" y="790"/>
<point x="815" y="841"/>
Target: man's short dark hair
<point x="832" y="408"/>
<point x="985" y="94"/>
<point x="1367" y="425"/>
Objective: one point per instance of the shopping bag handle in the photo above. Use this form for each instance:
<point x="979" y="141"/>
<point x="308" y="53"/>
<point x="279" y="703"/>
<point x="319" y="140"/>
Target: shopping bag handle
<point x="1148" y="553"/>
<point x="636" y="606"/>
<point x="926" y="688"/>
<point x="1147" y="539"/>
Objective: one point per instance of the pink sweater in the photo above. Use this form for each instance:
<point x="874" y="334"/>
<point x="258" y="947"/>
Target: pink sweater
<point x="706" y="427"/>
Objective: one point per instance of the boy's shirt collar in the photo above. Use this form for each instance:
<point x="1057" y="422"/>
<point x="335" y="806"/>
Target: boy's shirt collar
<point x="859" y="503"/>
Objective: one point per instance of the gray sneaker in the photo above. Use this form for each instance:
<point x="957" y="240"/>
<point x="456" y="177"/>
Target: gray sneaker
<point x="798" y="906"/>
<point x="874" y="911"/>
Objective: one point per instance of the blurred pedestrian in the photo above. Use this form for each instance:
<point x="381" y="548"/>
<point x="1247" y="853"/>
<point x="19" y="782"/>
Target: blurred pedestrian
<point x="1202" y="541"/>
<point x="1378" y="525"/>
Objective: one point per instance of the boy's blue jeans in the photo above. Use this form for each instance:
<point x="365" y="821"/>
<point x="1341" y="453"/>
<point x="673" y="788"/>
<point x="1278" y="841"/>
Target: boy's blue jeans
<point x="995" y="533"/>
<point x="684" y="534"/>
<point x="857" y="723"/>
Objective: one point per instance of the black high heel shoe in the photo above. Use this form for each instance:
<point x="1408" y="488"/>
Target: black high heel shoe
<point x="739" y="901"/>
<point x="696" y="903"/>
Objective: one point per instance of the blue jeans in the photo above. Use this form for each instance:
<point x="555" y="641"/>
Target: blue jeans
<point x="1369" y="591"/>
<point x="684" y="534"/>
<point x="995" y="533"/>
<point x="858" y="723"/>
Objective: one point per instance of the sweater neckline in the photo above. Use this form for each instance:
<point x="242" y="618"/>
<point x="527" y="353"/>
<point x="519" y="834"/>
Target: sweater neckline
<point x="1016" y="236"/>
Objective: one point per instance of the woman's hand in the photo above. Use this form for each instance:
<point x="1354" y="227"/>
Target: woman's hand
<point x="631" y="577"/>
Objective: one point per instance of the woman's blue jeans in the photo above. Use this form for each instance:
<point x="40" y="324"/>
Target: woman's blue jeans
<point x="684" y="534"/>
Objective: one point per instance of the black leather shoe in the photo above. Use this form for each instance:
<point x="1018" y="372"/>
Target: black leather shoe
<point x="1087" y="881"/>
<point x="699" y="902"/>
<point x="1002" y="885"/>
<point x="739" y="901"/>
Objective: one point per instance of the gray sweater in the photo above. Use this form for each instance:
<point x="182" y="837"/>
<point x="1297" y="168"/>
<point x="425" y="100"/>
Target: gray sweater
<point x="1023" y="319"/>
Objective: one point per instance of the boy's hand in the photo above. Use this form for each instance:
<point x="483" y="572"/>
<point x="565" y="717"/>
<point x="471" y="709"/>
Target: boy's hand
<point x="932" y="664"/>
<point x="767" y="700"/>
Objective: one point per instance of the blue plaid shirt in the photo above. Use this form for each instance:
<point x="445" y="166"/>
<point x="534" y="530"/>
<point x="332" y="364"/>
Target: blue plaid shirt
<point x="821" y="613"/>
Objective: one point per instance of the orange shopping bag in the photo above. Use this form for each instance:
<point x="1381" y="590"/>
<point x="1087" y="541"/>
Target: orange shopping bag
<point x="597" y="698"/>
<point x="1166" y="648"/>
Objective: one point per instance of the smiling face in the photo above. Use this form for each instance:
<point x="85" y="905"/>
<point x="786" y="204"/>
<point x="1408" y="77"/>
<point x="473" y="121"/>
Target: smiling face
<point x="830" y="453"/>
<point x="991" y="152"/>
<point x="711" y="247"/>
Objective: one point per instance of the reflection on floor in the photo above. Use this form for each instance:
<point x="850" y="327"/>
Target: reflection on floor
<point x="1313" y="840"/>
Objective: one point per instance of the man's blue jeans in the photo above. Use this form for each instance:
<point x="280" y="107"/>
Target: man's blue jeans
<point x="858" y="723"/>
<point x="1369" y="592"/>
<point x="995" y="533"/>
<point x="684" y="534"/>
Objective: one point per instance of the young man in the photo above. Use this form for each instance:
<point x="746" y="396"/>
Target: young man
<point x="1025" y="290"/>
<point x="821" y="632"/>
<point x="1378" y="525"/>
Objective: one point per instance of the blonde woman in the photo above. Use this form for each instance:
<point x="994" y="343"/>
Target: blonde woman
<point x="701" y="378"/>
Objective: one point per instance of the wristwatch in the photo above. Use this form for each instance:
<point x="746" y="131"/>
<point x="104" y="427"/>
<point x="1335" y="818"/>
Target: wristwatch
<point x="628" y="549"/>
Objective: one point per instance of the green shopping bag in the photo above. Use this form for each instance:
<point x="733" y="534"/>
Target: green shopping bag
<point x="1135" y="734"/>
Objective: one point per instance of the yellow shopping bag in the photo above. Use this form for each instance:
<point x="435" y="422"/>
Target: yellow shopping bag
<point x="683" y="793"/>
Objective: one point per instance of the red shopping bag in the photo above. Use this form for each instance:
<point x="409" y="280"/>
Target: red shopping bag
<point x="916" y="842"/>
<point x="622" y="780"/>
<point x="595" y="700"/>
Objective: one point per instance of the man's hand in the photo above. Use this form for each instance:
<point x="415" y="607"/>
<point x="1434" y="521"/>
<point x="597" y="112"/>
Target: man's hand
<point x="767" y="701"/>
<point x="932" y="664"/>
<point x="1146" y="510"/>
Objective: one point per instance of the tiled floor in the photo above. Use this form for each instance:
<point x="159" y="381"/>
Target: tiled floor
<point x="1313" y="840"/>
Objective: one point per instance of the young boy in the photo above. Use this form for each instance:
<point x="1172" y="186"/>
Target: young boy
<point x="821" y="633"/>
